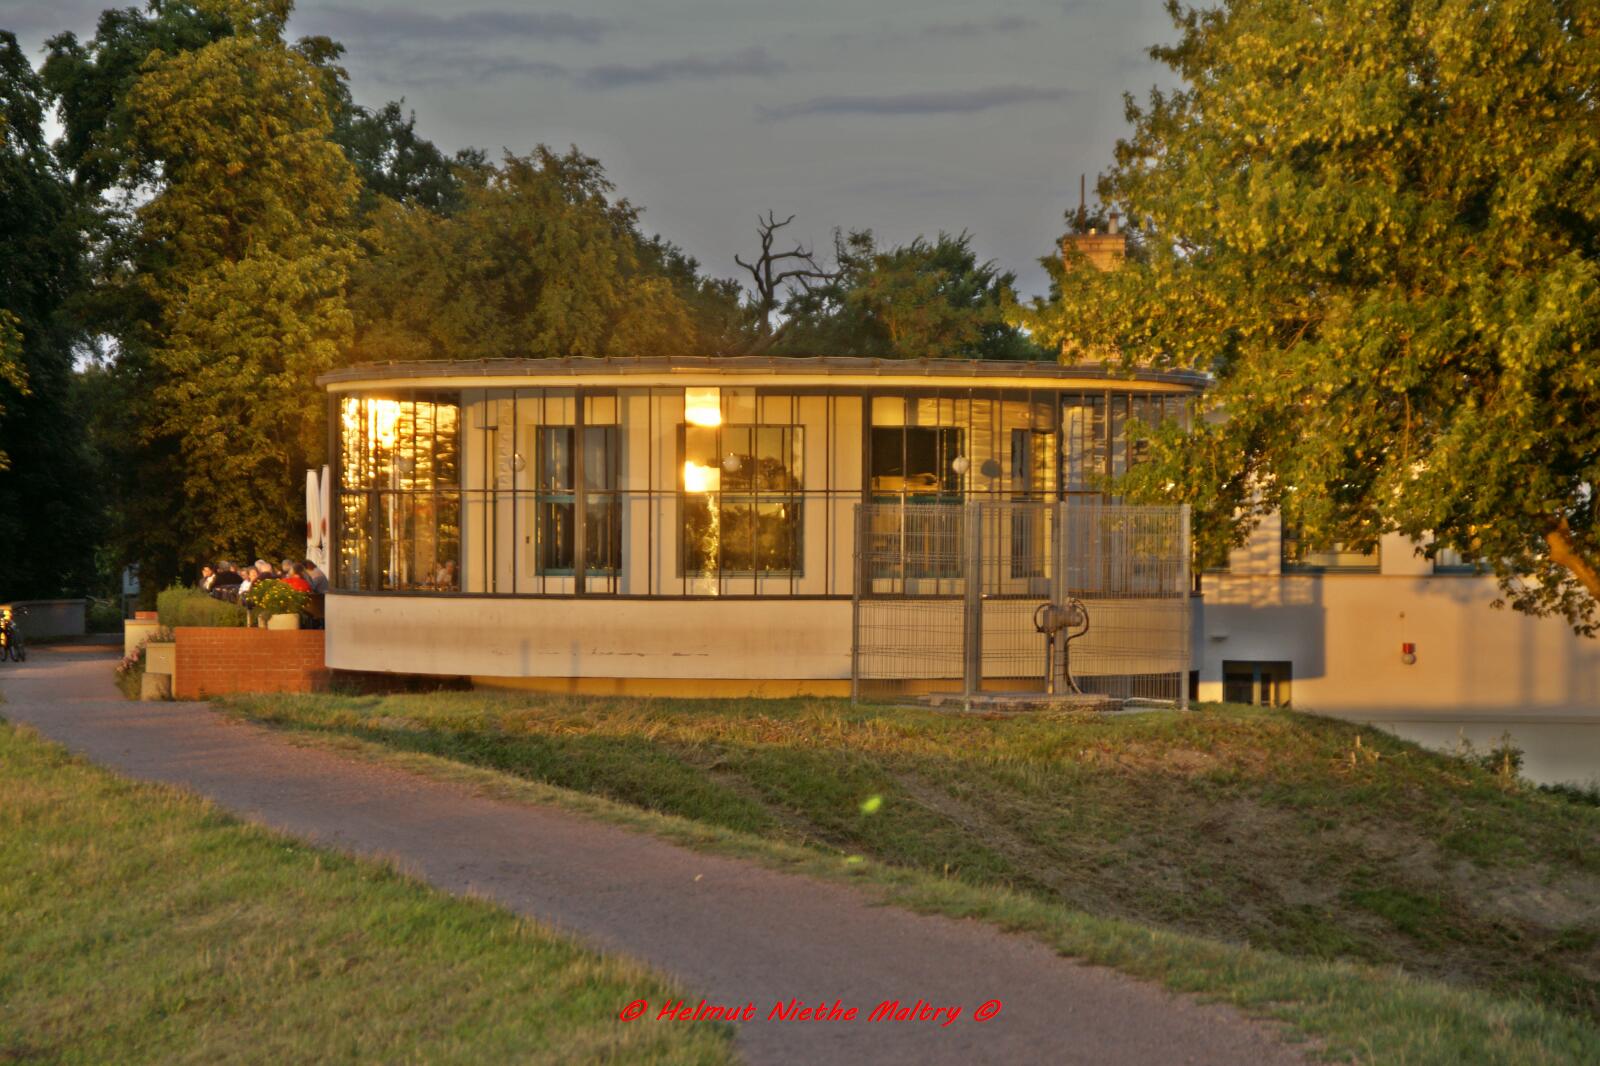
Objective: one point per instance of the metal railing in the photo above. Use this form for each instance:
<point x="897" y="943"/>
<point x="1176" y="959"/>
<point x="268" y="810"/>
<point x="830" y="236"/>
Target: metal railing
<point x="921" y="627"/>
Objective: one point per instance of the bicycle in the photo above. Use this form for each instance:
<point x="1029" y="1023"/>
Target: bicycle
<point x="11" y="644"/>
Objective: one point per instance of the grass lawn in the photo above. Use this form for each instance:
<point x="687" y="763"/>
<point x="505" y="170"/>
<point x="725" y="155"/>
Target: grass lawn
<point x="1294" y="865"/>
<point x="139" y="924"/>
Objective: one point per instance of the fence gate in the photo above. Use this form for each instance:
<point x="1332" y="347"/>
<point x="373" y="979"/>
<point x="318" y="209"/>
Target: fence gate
<point x="1118" y="573"/>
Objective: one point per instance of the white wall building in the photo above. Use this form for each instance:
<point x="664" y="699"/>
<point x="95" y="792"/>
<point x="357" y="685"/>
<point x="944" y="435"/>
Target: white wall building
<point x="1386" y="634"/>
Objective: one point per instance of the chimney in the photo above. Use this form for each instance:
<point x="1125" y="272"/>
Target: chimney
<point x="1105" y="251"/>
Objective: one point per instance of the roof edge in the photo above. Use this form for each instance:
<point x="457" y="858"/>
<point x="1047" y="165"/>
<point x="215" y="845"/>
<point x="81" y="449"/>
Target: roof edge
<point x="748" y="364"/>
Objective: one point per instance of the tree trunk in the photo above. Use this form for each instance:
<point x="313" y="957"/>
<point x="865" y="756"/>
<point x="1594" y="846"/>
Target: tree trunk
<point x="1564" y="551"/>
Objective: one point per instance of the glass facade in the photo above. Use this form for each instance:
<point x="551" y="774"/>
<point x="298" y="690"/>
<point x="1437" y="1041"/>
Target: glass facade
<point x="697" y="491"/>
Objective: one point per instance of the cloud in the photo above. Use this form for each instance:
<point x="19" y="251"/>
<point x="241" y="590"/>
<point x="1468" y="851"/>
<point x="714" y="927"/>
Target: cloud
<point x="750" y="62"/>
<point x="964" y="30"/>
<point x="978" y="27"/>
<point x="929" y="103"/>
<point x="357" y="27"/>
<point x="30" y="21"/>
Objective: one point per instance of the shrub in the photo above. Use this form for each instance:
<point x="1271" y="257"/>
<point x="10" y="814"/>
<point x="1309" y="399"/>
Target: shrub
<point x="104" y="616"/>
<point x="183" y="606"/>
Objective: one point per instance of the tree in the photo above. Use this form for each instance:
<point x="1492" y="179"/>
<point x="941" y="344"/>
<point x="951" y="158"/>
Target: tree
<point x="539" y="261"/>
<point x="393" y="161"/>
<point x="48" y="504"/>
<point x="926" y="299"/>
<point x="243" y="254"/>
<point x="1378" y="225"/>
<point x="777" y="275"/>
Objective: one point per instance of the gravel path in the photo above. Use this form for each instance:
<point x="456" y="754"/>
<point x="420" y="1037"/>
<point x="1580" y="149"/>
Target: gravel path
<point x="733" y="932"/>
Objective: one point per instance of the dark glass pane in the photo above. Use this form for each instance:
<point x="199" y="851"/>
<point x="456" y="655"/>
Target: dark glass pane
<point x="600" y="458"/>
<point x="888" y="459"/>
<point x="738" y="459"/>
<point x="447" y="577"/>
<point x="555" y="459"/>
<point x="774" y="460"/>
<point x="424" y="540"/>
<point x="702" y="535"/>
<point x="603" y="533"/>
<point x="554" y="535"/>
<point x="1119" y="435"/>
<point x="738" y="535"/>
<point x="778" y="536"/>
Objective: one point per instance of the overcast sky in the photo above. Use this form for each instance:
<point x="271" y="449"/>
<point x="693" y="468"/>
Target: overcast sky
<point x="903" y="117"/>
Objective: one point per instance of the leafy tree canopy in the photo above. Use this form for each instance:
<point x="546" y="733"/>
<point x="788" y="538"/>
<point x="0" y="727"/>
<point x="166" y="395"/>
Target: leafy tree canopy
<point x="1378" y="224"/>
<point x="243" y="252"/>
<point x="926" y="299"/>
<point x="540" y="260"/>
<point x="47" y="505"/>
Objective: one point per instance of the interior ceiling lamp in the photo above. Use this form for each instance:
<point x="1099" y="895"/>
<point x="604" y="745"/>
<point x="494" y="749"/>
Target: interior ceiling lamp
<point x="703" y="406"/>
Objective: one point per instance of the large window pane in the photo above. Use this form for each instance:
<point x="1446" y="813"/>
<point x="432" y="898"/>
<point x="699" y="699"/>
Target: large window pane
<point x="915" y="461"/>
<point x="399" y="496"/>
<point x="741" y="499"/>
<point x="556" y="506"/>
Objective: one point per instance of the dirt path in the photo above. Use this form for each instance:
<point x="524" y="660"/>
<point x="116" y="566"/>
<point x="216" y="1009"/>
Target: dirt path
<point x="734" y="932"/>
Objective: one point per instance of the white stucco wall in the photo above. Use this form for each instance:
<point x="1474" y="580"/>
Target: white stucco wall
<point x="591" y="637"/>
<point x="1342" y="634"/>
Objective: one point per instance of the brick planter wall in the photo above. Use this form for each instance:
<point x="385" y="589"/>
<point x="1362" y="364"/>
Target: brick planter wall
<point x="217" y="661"/>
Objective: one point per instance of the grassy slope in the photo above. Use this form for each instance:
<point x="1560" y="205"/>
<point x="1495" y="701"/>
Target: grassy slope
<point x="1264" y="828"/>
<point x="138" y="924"/>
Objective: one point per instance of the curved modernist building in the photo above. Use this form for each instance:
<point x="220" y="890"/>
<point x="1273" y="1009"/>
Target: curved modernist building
<point x="674" y="525"/>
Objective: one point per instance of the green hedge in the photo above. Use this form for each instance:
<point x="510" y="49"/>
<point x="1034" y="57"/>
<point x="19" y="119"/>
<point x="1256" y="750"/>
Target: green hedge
<point x="180" y="606"/>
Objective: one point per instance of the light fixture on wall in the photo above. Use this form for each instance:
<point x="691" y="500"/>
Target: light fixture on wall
<point x="961" y="464"/>
<point x="702" y="406"/>
<point x="517" y="462"/>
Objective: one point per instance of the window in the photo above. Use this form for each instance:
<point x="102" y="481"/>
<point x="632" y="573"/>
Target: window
<point x="1261" y="684"/>
<point x="556" y="500"/>
<point x="915" y="463"/>
<point x="1097" y="439"/>
<point x="1300" y="555"/>
<point x="399" y="505"/>
<point x="741" y="498"/>
<point x="1450" y="561"/>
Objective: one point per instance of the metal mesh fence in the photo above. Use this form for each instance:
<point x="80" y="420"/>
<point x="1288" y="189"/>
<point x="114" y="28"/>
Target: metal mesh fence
<point x="921" y="627"/>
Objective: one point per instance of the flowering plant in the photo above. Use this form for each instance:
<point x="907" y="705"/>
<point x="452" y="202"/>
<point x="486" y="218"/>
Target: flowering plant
<point x="272" y="597"/>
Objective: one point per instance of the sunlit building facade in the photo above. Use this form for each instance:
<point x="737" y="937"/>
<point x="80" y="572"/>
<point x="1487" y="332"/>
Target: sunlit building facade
<point x="674" y="525"/>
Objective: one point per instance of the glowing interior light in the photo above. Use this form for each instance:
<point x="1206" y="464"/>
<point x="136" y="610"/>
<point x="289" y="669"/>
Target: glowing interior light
<point x="703" y="406"/>
<point x="697" y="478"/>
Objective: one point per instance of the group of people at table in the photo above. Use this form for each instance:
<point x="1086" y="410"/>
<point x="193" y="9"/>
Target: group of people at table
<point x="225" y="581"/>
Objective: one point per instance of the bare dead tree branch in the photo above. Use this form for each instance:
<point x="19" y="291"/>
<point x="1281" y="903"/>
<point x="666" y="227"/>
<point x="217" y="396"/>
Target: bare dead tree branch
<point x="773" y="273"/>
